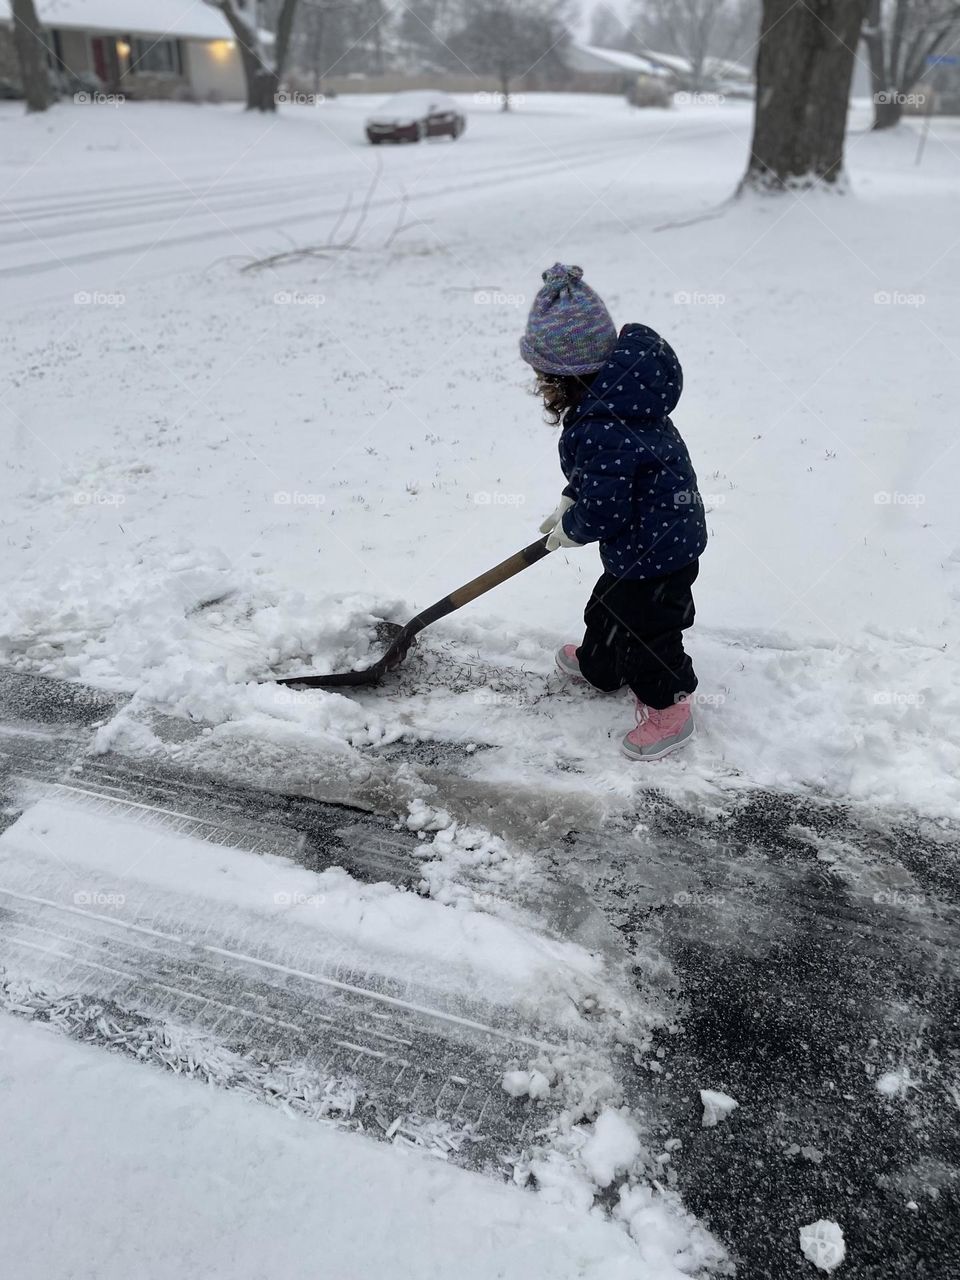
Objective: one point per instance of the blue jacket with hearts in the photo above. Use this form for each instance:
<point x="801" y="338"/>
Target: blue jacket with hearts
<point x="629" y="472"/>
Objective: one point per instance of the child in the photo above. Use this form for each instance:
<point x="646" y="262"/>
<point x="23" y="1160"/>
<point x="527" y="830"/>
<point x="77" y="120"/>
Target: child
<point x="631" y="487"/>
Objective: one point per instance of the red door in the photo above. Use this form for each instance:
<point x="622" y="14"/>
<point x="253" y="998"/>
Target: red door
<point x="105" y="64"/>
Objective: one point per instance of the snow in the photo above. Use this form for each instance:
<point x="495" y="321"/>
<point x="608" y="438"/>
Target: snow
<point x="822" y="1242"/>
<point x="716" y="1107"/>
<point x="526" y="1084"/>
<point x="316" y="466"/>
<point x="154" y="883"/>
<point x="612" y="1147"/>
<point x="399" y="932"/>
<point x="713" y="66"/>
<point x="894" y="1084"/>
<point x="218" y="1186"/>
<point x="214" y="475"/>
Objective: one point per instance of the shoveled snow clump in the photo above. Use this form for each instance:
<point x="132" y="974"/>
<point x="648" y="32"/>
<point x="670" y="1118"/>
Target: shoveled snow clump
<point x="822" y="1242"/>
<point x="526" y="1084"/>
<point x="716" y="1107"/>
<point x="612" y="1147"/>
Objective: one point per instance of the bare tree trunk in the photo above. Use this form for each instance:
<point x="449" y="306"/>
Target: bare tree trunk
<point x="378" y="63"/>
<point x="262" y="89"/>
<point x="284" y="31"/>
<point x="901" y="40"/>
<point x="31" y="51"/>
<point x="874" y="38"/>
<point x="262" y="77"/>
<point x="317" y="49"/>
<point x="887" y="110"/>
<point x="804" y="69"/>
<point x="699" y="49"/>
<point x="887" y="101"/>
<point x="696" y="71"/>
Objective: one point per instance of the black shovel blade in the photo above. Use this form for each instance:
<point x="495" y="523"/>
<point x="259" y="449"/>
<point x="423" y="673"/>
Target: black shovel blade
<point x="404" y="637"/>
<point x="398" y="639"/>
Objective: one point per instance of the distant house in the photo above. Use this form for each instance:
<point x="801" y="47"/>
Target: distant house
<point x="140" y="48"/>
<point x="716" y="73"/>
<point x="592" y="69"/>
<point x="649" y="78"/>
<point x="610" y="70"/>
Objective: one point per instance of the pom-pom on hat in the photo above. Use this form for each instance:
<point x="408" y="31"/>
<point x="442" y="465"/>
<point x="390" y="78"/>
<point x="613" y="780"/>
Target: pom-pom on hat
<point x="569" y="330"/>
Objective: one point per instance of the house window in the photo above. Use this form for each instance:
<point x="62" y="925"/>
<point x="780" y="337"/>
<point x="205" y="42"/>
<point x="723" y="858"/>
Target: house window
<point x="155" y="57"/>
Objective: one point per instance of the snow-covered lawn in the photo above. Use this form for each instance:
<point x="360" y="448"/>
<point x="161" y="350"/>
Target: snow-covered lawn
<point x="210" y="475"/>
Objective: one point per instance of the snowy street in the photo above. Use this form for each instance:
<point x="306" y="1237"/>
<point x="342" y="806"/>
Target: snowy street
<point x="441" y="935"/>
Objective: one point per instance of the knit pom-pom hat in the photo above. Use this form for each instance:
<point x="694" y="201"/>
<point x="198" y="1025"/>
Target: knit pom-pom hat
<point x="569" y="330"/>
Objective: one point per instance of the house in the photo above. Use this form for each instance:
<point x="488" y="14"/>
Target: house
<point x="716" y="74"/>
<point x="140" y="48"/>
<point x="593" y="69"/>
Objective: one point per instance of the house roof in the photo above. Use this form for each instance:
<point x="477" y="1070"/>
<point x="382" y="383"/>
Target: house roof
<point x="590" y="57"/>
<point x="729" y="70"/>
<point x="712" y="66"/>
<point x="186" y="19"/>
<point x="672" y="60"/>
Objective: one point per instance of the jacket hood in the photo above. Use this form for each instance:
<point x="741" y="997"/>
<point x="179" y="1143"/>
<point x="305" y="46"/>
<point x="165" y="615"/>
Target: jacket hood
<point x="642" y="379"/>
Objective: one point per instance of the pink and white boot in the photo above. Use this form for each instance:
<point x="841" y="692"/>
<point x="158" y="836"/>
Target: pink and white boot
<point x="659" y="733"/>
<point x="567" y="664"/>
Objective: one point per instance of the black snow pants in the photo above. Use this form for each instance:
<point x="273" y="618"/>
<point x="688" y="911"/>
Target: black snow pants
<point x="634" y="636"/>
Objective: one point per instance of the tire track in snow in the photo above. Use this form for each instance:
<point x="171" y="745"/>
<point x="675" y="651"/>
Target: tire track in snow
<point x="193" y="206"/>
<point x="423" y="1062"/>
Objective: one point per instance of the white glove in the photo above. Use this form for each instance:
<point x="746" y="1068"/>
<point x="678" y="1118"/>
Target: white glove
<point x="559" y="539"/>
<point x="555" y="516"/>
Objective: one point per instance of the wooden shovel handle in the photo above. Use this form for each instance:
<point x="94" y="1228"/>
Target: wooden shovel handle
<point x="499" y="573"/>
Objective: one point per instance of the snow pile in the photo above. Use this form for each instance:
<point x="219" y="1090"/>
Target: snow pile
<point x="609" y="1154"/>
<point x="671" y="1243"/>
<point x="166" y="624"/>
<point x="595" y="1150"/>
<point x="612" y="1148"/>
<point x="189" y="635"/>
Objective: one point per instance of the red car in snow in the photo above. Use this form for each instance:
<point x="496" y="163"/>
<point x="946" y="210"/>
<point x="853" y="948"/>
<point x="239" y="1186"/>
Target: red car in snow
<point x="416" y="114"/>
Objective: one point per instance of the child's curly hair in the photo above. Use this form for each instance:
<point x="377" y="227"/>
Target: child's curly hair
<point x="559" y="392"/>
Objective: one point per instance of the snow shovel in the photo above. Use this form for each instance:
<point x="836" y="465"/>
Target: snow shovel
<point x="401" y="638"/>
